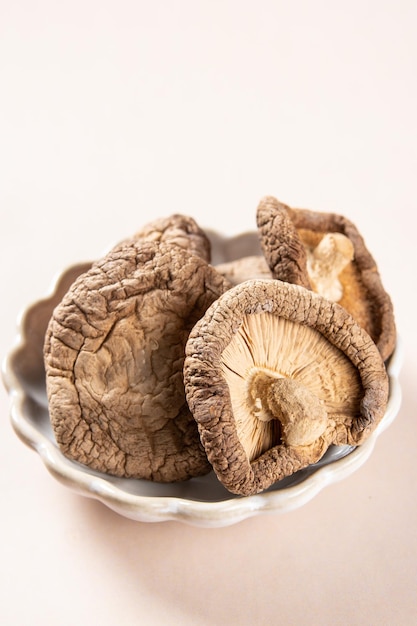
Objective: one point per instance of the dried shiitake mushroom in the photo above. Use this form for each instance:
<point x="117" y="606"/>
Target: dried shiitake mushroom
<point x="114" y="353"/>
<point x="244" y="268"/>
<point x="275" y="373"/>
<point x="325" y="252"/>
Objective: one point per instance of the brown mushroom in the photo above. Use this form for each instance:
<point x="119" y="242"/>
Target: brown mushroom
<point x="329" y="249"/>
<point x="114" y="355"/>
<point x="275" y="373"/>
<point x="244" y="268"/>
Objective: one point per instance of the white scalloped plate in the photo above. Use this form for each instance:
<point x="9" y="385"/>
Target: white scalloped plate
<point x="199" y="501"/>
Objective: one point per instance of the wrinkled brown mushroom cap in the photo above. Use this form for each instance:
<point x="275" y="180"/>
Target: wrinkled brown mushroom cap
<point x="179" y="230"/>
<point x="361" y="291"/>
<point x="274" y="374"/>
<point x="114" y="354"/>
<point x="282" y="247"/>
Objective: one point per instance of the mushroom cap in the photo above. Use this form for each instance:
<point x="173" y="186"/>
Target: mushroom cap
<point x="274" y="373"/>
<point x="244" y="268"/>
<point x="362" y="292"/>
<point x="181" y="230"/>
<point x="282" y="247"/>
<point x="114" y="353"/>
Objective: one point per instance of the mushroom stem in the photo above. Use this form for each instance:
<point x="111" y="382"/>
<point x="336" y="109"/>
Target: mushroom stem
<point x="302" y="416"/>
<point x="301" y="413"/>
<point x="327" y="261"/>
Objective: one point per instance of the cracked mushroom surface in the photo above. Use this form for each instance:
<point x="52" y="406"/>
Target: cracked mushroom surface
<point x="275" y="373"/>
<point x="114" y="353"/>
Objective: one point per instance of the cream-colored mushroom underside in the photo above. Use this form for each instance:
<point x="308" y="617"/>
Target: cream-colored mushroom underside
<point x="278" y="348"/>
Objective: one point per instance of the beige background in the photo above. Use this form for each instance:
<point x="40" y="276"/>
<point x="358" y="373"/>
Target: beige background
<point x="113" y="113"/>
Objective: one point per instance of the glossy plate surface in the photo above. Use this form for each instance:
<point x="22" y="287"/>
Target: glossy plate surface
<point x="200" y="501"/>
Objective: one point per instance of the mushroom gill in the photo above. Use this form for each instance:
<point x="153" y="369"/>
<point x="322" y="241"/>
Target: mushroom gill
<point x="286" y="383"/>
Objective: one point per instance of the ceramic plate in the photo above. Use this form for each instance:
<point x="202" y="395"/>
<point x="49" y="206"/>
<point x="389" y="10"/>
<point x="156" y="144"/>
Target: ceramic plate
<point x="199" y="501"/>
